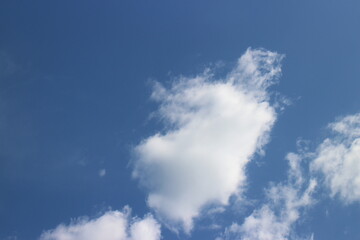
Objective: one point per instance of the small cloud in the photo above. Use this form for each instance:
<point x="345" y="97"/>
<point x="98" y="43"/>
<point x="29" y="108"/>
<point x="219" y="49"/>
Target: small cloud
<point x="337" y="159"/>
<point x="216" y="210"/>
<point x="112" y="225"/>
<point x="102" y="172"/>
<point x="215" y="226"/>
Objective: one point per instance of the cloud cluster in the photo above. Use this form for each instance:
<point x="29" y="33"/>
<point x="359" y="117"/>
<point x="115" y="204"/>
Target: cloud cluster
<point x="338" y="159"/>
<point x="113" y="225"/>
<point x="275" y="218"/>
<point x="214" y="127"/>
<point x="212" y="130"/>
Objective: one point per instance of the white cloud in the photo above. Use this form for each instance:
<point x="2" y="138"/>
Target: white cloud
<point x="102" y="172"/>
<point x="146" y="229"/>
<point x="113" y="225"/>
<point x="214" y="127"/>
<point x="275" y="218"/>
<point x="338" y="159"/>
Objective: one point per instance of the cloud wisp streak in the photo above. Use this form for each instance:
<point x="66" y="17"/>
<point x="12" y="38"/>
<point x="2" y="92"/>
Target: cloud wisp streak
<point x="112" y="225"/>
<point x="275" y="219"/>
<point x="214" y="128"/>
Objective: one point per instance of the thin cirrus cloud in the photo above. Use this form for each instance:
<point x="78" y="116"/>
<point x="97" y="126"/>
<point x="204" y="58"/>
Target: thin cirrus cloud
<point x="276" y="217"/>
<point x="337" y="159"/>
<point x="112" y="225"/>
<point x="214" y="128"/>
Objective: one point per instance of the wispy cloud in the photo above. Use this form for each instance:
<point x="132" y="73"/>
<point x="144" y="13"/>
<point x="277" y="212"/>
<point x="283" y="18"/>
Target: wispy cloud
<point x="7" y="65"/>
<point x="275" y="218"/>
<point x="338" y="159"/>
<point x="214" y="128"/>
<point x="102" y="172"/>
<point x="113" y="225"/>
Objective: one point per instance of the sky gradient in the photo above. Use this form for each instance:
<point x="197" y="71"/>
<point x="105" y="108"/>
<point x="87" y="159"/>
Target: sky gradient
<point x="179" y="120"/>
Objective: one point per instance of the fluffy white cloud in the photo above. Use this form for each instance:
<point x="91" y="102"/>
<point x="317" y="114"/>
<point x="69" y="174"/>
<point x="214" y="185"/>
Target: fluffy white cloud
<point x="113" y="225"/>
<point x="274" y="219"/>
<point x="213" y="129"/>
<point x="338" y="159"/>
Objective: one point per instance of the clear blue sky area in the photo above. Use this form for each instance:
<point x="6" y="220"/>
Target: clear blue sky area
<point x="75" y="84"/>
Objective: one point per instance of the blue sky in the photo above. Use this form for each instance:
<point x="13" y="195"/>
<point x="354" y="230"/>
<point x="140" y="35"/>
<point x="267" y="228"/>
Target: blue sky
<point x="179" y="120"/>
